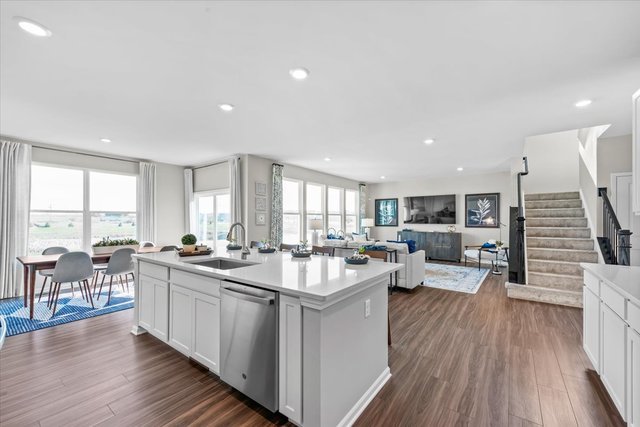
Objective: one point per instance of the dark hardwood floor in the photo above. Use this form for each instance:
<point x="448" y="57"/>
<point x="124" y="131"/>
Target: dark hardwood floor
<point x="456" y="359"/>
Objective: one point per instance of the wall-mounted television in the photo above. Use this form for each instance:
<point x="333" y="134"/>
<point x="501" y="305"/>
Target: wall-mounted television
<point x="430" y="209"/>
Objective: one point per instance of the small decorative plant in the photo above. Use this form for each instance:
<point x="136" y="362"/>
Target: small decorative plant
<point x="303" y="246"/>
<point x="106" y="241"/>
<point x="189" y="242"/>
<point x="266" y="244"/>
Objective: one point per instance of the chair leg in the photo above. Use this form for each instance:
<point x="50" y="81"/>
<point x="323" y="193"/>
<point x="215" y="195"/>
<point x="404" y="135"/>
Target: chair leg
<point x="110" y="285"/>
<point x="49" y="294"/>
<point x="101" y="283"/>
<point x="42" y="290"/>
<point x="55" y="304"/>
<point x="82" y="291"/>
<point x="121" y="282"/>
<point x="94" y="280"/>
<point x="88" y="292"/>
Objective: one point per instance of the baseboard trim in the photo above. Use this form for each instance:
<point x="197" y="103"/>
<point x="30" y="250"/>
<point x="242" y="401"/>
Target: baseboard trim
<point x="366" y="398"/>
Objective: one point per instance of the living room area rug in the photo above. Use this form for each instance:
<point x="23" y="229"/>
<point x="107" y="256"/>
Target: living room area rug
<point x="454" y="277"/>
<point x="70" y="308"/>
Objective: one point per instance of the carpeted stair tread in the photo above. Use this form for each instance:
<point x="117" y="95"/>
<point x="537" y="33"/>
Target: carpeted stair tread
<point x="552" y="196"/>
<point x="543" y="294"/>
<point x="573" y="222"/>
<point x="556" y="281"/>
<point x="562" y="255"/>
<point x="568" y="232"/>
<point x="560" y="243"/>
<point x="555" y="267"/>
<point x="546" y="204"/>
<point x="555" y="213"/>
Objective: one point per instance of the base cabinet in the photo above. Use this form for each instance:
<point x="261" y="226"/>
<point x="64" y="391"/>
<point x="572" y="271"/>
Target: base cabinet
<point x="194" y="326"/>
<point x="614" y="340"/>
<point x="633" y="386"/>
<point x="154" y="306"/>
<point x="290" y="364"/>
<point x="591" y="325"/>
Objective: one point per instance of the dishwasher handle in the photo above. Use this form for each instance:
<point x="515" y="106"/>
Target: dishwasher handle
<point x="247" y="297"/>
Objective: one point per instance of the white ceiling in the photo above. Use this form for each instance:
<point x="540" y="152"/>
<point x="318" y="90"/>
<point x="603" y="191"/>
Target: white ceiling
<point x="477" y="76"/>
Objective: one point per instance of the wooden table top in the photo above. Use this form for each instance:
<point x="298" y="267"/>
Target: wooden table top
<point x="48" y="259"/>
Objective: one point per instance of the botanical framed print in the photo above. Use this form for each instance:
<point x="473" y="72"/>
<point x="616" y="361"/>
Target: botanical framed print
<point x="482" y="210"/>
<point x="261" y="189"/>
<point x="261" y="218"/>
<point x="261" y="204"/>
<point x="386" y="213"/>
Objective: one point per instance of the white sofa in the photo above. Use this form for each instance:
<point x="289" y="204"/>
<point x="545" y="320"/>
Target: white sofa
<point x="409" y="277"/>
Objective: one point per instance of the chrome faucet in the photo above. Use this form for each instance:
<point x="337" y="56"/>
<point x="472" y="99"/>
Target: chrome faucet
<point x="245" y="249"/>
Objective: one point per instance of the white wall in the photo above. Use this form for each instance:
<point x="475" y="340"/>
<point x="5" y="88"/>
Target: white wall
<point x="169" y="204"/>
<point x="458" y="185"/>
<point x="553" y="163"/>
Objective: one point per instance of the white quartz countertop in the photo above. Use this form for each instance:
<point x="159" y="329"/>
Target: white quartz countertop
<point x="319" y="278"/>
<point x="624" y="278"/>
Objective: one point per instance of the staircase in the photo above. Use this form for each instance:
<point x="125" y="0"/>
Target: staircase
<point x="558" y="239"/>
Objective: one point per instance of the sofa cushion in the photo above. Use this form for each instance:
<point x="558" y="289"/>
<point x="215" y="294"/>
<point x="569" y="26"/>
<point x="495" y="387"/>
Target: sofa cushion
<point x="401" y="247"/>
<point x="411" y="244"/>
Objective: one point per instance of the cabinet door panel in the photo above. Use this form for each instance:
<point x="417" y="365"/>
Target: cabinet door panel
<point x="146" y="302"/>
<point x="206" y="331"/>
<point x="161" y="310"/>
<point x="614" y="340"/>
<point x="633" y="376"/>
<point x="180" y="319"/>
<point x="591" y="326"/>
<point x="290" y="365"/>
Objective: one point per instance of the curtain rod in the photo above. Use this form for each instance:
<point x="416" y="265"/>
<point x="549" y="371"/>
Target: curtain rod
<point x="215" y="163"/>
<point x="101" y="156"/>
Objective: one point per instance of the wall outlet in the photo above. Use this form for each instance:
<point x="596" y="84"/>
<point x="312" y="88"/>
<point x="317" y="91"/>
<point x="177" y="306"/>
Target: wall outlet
<point x="367" y="308"/>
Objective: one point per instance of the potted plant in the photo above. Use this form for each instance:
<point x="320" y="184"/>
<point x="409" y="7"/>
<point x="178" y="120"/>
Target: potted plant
<point x="107" y="245"/>
<point x="189" y="243"/>
<point x="302" y="251"/>
<point x="266" y="247"/>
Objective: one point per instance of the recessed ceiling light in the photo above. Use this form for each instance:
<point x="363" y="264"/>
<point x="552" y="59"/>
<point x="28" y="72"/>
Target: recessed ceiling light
<point x="226" y="107"/>
<point x="583" y="103"/>
<point x="382" y="177"/>
<point x="327" y="159"/>
<point x="299" y="73"/>
<point x="105" y="140"/>
<point x="429" y="141"/>
<point x="460" y="169"/>
<point x="32" y="27"/>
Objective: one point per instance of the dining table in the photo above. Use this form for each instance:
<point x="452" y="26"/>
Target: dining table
<point x="33" y="263"/>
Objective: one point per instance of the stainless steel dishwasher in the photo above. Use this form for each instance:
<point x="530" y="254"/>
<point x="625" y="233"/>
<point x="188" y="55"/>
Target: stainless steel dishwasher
<point x="249" y="342"/>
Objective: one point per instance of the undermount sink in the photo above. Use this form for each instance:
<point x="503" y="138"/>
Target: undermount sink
<point x="223" y="263"/>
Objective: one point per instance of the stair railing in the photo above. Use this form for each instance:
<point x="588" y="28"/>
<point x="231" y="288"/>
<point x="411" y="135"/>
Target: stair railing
<point x="517" y="271"/>
<point x="616" y="239"/>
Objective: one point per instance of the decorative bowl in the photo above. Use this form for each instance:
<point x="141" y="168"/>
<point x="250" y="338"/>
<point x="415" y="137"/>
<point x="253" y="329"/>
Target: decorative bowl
<point x="356" y="261"/>
<point x="234" y="247"/>
<point x="305" y="254"/>
<point x="267" y="250"/>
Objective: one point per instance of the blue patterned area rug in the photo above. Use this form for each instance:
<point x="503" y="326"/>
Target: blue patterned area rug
<point x="69" y="310"/>
<point x="454" y="278"/>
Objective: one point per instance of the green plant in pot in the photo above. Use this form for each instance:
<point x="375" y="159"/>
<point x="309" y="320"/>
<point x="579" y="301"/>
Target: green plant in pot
<point x="189" y="243"/>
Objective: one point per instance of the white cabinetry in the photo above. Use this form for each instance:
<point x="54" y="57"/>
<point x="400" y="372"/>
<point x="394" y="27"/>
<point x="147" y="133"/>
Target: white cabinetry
<point x="591" y="322"/>
<point x="290" y="365"/>
<point x="614" y="340"/>
<point x="613" y="310"/>
<point x="194" y="325"/>
<point x="180" y="317"/>
<point x="633" y="378"/>
<point x="153" y="306"/>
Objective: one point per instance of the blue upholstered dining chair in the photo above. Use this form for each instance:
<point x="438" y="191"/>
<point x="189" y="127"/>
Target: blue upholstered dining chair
<point x="120" y="263"/>
<point x="53" y="250"/>
<point x="71" y="267"/>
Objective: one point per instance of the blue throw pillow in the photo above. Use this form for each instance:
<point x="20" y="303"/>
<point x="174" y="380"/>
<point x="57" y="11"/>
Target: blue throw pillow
<point x="488" y="245"/>
<point x="411" y="244"/>
<point x="375" y="248"/>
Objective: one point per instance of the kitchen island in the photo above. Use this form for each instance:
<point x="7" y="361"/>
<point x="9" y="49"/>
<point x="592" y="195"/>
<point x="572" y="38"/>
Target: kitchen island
<point x="331" y="322"/>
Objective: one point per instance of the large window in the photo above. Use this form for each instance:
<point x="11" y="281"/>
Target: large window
<point x="76" y="207"/>
<point x="214" y="217"/>
<point x="334" y="208"/>
<point x="314" y="209"/>
<point x="351" y="211"/>
<point x="291" y="211"/>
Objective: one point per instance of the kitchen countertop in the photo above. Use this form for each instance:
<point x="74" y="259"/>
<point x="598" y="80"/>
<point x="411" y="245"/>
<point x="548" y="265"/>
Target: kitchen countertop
<point x="626" y="279"/>
<point x="321" y="279"/>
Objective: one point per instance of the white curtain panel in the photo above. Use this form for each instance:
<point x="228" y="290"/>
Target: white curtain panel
<point x="235" y="190"/>
<point x="189" y="203"/>
<point x="147" y="202"/>
<point x="15" y="195"/>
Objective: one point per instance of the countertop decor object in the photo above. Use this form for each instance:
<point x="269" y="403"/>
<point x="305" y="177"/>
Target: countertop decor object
<point x="357" y="259"/>
<point x="198" y="252"/>
<point x="233" y="247"/>
<point x="266" y="250"/>
<point x="300" y="254"/>
<point x="189" y="242"/>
